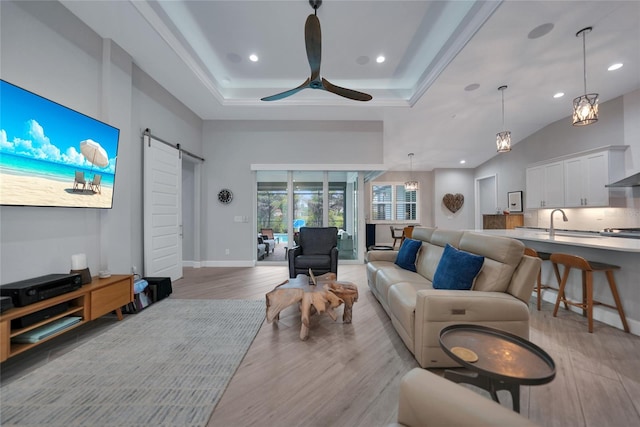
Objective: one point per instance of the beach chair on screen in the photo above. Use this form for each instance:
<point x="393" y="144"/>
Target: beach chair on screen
<point x="95" y="184"/>
<point x="79" y="180"/>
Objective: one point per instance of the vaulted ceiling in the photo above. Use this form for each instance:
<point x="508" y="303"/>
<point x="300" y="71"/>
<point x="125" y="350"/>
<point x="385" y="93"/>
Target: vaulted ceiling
<point x="436" y="91"/>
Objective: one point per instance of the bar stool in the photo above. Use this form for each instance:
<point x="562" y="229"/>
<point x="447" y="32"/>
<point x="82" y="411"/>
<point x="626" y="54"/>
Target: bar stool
<point x="587" y="267"/>
<point x="396" y="237"/>
<point x="544" y="256"/>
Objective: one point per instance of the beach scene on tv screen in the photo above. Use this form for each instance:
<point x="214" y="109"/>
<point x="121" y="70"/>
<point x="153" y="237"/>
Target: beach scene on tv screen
<point x="51" y="155"/>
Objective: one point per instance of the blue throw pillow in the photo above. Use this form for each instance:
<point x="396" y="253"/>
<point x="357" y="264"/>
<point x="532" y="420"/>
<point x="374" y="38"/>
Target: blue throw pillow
<point x="407" y="254"/>
<point x="457" y="269"/>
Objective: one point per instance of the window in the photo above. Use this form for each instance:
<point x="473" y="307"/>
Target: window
<point x="391" y="202"/>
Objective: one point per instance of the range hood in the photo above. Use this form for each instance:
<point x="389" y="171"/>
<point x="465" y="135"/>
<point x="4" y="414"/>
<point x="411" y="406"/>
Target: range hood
<point x="630" y="181"/>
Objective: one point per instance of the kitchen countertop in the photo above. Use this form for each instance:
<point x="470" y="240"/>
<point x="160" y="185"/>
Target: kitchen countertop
<point x="585" y="239"/>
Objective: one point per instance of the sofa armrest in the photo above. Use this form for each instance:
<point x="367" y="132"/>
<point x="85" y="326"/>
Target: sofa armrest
<point x="524" y="278"/>
<point x="437" y="308"/>
<point x="292" y="253"/>
<point x="429" y="400"/>
<point x="381" y="256"/>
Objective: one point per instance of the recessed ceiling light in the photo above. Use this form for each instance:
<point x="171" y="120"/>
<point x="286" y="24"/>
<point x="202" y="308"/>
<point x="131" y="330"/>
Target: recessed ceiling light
<point x="253" y="57"/>
<point x="362" y="60"/>
<point x="380" y="59"/>
<point x="462" y="162"/>
<point x="472" y="86"/>
<point x="615" y="66"/>
<point x="559" y="95"/>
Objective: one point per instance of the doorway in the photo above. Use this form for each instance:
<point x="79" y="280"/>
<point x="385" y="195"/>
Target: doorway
<point x="486" y="189"/>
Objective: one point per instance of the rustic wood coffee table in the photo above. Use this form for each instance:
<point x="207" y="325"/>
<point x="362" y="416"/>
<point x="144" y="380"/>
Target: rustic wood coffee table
<point x="324" y="296"/>
<point x="498" y="360"/>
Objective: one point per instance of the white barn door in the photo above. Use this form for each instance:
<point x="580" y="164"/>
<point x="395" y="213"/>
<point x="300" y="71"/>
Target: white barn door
<point x="162" y="210"/>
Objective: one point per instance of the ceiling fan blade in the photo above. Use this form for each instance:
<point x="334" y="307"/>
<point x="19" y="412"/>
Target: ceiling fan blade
<point x="286" y="93"/>
<point x="347" y="93"/>
<point x="313" y="41"/>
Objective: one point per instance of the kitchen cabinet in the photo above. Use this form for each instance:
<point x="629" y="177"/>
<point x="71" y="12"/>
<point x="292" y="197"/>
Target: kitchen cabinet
<point x="545" y="186"/>
<point x="577" y="180"/>
<point x="585" y="178"/>
<point x="502" y="222"/>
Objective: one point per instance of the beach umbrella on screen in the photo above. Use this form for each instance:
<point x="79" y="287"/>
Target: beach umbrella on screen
<point x="94" y="153"/>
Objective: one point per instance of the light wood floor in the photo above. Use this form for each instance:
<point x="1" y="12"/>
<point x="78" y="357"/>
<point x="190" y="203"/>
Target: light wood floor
<point x="348" y="375"/>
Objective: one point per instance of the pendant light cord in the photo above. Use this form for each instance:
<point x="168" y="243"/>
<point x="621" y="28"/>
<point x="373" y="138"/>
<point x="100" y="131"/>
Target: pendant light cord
<point x="584" y="59"/>
<point x="503" y="127"/>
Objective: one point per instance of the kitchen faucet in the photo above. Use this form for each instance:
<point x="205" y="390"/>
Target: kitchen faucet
<point x="552" y="231"/>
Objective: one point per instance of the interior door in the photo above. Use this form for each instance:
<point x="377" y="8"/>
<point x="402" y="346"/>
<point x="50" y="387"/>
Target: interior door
<point x="162" y="210"/>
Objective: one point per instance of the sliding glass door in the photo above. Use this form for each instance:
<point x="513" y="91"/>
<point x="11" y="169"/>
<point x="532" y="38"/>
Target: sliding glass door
<point x="273" y="213"/>
<point x="289" y="200"/>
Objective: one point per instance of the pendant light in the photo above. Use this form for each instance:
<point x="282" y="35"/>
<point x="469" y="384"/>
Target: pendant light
<point x="503" y="139"/>
<point x="411" y="185"/>
<point x="585" y="107"/>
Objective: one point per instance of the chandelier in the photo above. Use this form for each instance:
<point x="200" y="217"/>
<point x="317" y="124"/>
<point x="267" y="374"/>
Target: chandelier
<point x="585" y="107"/>
<point x="411" y="185"/>
<point x="503" y="139"/>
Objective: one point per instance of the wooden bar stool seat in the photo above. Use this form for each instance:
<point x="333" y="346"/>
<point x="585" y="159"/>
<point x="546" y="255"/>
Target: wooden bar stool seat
<point x="587" y="268"/>
<point x="544" y="256"/>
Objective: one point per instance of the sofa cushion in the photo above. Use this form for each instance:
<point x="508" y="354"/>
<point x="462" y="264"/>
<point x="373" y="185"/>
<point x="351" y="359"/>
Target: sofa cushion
<point x="407" y="254"/>
<point x="317" y="240"/>
<point x="502" y="256"/>
<point x="392" y="274"/>
<point x="457" y="269"/>
<point x="427" y="260"/>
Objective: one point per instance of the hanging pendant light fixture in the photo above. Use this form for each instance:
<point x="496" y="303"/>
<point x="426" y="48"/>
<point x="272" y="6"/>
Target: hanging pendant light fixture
<point x="411" y="185"/>
<point x="585" y="107"/>
<point x="503" y="139"/>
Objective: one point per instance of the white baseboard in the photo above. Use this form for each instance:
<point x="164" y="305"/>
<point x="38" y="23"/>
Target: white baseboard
<point x="192" y="264"/>
<point x="237" y="263"/>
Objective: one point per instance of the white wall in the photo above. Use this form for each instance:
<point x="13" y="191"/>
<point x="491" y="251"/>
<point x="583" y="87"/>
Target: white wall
<point x="454" y="181"/>
<point x="230" y="148"/>
<point x="46" y="49"/>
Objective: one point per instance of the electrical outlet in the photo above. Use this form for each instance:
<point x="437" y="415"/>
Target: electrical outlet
<point x="227" y="251"/>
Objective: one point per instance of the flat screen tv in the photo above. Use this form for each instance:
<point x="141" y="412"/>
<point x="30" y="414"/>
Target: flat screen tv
<point x="51" y="155"/>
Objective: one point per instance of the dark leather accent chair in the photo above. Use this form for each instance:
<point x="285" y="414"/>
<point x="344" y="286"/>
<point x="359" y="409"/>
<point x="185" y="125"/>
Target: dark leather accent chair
<point x="317" y="250"/>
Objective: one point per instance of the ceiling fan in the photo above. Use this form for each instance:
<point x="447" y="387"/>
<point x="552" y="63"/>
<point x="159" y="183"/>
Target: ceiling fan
<point x="313" y="41"/>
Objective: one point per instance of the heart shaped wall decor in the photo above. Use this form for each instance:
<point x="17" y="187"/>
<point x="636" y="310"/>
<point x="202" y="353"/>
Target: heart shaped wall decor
<point x="453" y="202"/>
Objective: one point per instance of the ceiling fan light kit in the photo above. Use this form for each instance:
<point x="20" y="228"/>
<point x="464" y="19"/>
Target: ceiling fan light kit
<point x="313" y="42"/>
<point x="585" y="107"/>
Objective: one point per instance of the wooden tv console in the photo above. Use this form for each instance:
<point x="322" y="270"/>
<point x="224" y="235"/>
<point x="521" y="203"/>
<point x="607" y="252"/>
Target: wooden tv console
<point x="91" y="301"/>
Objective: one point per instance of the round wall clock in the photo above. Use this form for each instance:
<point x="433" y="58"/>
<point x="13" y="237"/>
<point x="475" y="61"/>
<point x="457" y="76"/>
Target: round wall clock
<point x="225" y="196"/>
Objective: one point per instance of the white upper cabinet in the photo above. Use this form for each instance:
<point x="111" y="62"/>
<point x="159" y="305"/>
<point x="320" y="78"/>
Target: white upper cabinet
<point x="575" y="181"/>
<point x="545" y="186"/>
<point x="585" y="178"/>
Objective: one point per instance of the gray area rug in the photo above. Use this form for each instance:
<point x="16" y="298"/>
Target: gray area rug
<point x="165" y="366"/>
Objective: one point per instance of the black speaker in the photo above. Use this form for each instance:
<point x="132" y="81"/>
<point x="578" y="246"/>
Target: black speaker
<point x="160" y="287"/>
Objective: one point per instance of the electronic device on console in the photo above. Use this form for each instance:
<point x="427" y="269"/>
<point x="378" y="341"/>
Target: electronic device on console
<point x="29" y="291"/>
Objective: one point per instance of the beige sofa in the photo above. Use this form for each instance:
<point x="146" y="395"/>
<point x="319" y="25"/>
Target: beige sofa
<point x="499" y="297"/>
<point x="427" y="400"/>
